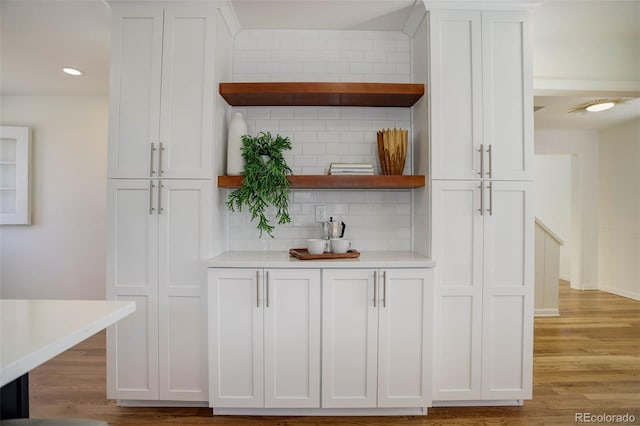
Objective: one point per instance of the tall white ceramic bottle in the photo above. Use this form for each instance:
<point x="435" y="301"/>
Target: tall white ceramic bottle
<point x="237" y="128"/>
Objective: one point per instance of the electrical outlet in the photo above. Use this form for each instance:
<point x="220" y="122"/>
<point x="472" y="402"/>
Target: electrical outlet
<point x="321" y="213"/>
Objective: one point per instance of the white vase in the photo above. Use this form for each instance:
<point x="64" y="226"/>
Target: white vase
<point x="237" y="128"/>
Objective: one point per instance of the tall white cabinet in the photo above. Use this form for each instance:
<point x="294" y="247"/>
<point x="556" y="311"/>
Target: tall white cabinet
<point x="482" y="213"/>
<point x="161" y="131"/>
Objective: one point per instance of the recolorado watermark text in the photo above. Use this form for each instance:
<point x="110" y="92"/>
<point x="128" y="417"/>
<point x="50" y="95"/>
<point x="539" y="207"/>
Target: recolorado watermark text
<point x="626" y="418"/>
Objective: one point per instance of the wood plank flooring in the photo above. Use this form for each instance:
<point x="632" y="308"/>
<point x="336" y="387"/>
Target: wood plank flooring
<point x="586" y="361"/>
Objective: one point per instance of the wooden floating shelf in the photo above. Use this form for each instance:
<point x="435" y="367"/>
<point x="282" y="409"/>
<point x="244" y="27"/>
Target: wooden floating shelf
<point x="339" y="182"/>
<point x="322" y="94"/>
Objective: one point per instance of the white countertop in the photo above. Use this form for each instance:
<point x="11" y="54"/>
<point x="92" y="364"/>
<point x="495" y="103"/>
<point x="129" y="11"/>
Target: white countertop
<point x="281" y="259"/>
<point x="34" y="331"/>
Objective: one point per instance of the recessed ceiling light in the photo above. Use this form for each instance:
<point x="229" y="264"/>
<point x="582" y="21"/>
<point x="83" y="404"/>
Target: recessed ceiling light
<point x="602" y="106"/>
<point x="72" y="71"/>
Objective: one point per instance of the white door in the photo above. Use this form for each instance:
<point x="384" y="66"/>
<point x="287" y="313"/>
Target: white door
<point x="188" y="90"/>
<point x="404" y="338"/>
<point x="507" y="354"/>
<point x="134" y="112"/>
<point x="349" y="338"/>
<point x="132" y="344"/>
<point x="236" y="362"/>
<point x="183" y="240"/>
<point x="457" y="248"/>
<point x="507" y="95"/>
<point x="292" y="338"/>
<point x="456" y="94"/>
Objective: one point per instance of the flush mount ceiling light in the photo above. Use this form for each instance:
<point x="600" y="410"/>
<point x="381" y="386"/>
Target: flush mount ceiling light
<point x="598" y="105"/>
<point x="72" y="71"/>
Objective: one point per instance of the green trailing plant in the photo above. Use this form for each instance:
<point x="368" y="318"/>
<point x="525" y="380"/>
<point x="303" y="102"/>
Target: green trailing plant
<point x="264" y="180"/>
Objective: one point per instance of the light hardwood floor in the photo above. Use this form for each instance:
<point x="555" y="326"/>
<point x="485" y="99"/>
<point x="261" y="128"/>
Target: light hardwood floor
<point x="586" y="361"/>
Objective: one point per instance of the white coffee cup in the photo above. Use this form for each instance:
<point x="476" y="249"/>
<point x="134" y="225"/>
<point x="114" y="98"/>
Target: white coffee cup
<point x="340" y="245"/>
<point x="316" y="245"/>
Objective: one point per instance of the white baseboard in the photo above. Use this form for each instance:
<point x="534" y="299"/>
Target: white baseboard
<point x="496" y="403"/>
<point x="546" y="312"/>
<point x="624" y="293"/>
<point x="154" y="403"/>
<point x="565" y="277"/>
<point x="321" y="411"/>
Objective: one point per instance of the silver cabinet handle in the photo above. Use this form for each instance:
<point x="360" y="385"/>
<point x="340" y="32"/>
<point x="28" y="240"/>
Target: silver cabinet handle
<point x="151" y="188"/>
<point x="481" y="209"/>
<point x="160" y="186"/>
<point x="481" y="150"/>
<point x="257" y="289"/>
<point x="490" y="198"/>
<point x="151" y="152"/>
<point x="375" y="288"/>
<point x="490" y="152"/>
<point x="384" y="289"/>
<point x="267" y="290"/>
<point x="160" y="158"/>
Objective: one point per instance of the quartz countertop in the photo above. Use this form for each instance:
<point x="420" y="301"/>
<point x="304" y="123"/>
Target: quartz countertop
<point x="282" y="259"/>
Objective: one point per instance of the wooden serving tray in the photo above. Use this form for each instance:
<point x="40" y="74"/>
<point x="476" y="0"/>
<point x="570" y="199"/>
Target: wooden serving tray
<point x="303" y="254"/>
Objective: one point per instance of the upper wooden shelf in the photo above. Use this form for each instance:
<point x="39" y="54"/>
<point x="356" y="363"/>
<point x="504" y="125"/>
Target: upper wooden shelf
<point x="322" y="94"/>
<point x="339" y="182"/>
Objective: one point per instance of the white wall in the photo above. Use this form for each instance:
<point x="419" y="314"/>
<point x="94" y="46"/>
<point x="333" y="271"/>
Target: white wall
<point x="583" y="146"/>
<point x="379" y="220"/>
<point x="553" y="202"/>
<point x="620" y="209"/>
<point x="62" y="254"/>
<point x="587" y="45"/>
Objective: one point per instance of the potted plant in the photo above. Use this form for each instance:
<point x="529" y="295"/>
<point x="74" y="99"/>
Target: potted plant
<point x="264" y="180"/>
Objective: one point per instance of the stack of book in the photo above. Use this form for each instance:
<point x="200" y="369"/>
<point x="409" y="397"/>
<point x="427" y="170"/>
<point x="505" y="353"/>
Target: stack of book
<point x="351" y="169"/>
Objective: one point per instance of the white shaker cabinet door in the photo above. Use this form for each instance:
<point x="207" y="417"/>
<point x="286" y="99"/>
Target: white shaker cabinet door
<point x="404" y="338"/>
<point x="507" y="96"/>
<point x="292" y="338"/>
<point x="350" y="338"/>
<point x="134" y="111"/>
<point x="456" y="94"/>
<point x="188" y="91"/>
<point x="236" y="362"/>
<point x="457" y="248"/>
<point x="132" y="347"/>
<point x="507" y="347"/>
<point x="183" y="241"/>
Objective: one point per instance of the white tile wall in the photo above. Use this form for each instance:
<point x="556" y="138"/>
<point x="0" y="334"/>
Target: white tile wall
<point x="376" y="220"/>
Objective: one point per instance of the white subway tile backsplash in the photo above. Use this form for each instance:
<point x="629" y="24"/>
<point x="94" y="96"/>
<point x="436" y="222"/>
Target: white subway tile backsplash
<point x="322" y="135"/>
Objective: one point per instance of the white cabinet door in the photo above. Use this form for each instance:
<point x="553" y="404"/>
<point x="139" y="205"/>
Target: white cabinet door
<point x="507" y="347"/>
<point x="132" y="348"/>
<point x="183" y="243"/>
<point x="134" y="112"/>
<point x="481" y="95"/>
<point x="349" y="338"/>
<point x="188" y="90"/>
<point x="507" y="95"/>
<point x="457" y="247"/>
<point x="236" y="362"/>
<point x="292" y="338"/>
<point x="404" y="338"/>
<point x="162" y="91"/>
<point x="264" y="338"/>
<point x="456" y="94"/>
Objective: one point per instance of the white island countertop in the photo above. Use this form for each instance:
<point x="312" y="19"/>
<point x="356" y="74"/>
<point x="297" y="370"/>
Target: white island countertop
<point x="34" y="331"/>
<point x="282" y="259"/>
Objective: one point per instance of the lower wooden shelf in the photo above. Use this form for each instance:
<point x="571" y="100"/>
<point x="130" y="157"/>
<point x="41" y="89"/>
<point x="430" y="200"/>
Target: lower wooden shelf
<point x="339" y="182"/>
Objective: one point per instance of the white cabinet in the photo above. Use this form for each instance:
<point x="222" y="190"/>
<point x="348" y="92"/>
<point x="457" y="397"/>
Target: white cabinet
<point x="162" y="91"/>
<point x="481" y="95"/>
<point x="484" y="294"/>
<point x="264" y="337"/>
<point x="158" y="236"/>
<point x="376" y="332"/>
<point x="15" y="156"/>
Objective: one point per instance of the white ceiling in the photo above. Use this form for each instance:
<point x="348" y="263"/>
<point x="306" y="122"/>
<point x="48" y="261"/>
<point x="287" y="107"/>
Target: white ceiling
<point x="39" y="37"/>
